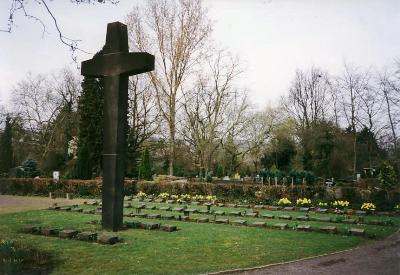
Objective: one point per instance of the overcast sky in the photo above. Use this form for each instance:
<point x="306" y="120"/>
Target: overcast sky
<point x="271" y="38"/>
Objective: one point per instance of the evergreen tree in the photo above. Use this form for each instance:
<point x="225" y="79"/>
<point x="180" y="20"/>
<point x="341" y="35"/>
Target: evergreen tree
<point x="6" y="150"/>
<point x="90" y="136"/>
<point x="30" y="169"/>
<point x="145" y="166"/>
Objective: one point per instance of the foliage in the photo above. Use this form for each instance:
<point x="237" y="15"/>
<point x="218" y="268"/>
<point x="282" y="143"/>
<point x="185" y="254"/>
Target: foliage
<point x="303" y="202"/>
<point x="16" y="258"/>
<point x="284" y="201"/>
<point x="90" y="137"/>
<point x="341" y="204"/>
<point x="145" y="170"/>
<point x="387" y="175"/>
<point x="368" y="206"/>
<point x="6" y="149"/>
<point x="28" y="169"/>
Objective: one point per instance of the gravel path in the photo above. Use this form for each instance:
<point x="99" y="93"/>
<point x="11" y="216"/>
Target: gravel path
<point x="12" y="204"/>
<point x="378" y="257"/>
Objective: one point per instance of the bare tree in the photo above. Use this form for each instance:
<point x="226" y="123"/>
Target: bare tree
<point x="143" y="117"/>
<point x="205" y="108"/>
<point x="308" y="97"/>
<point x="176" y="32"/>
<point x="351" y="85"/>
<point x="389" y="89"/>
<point x="25" y="8"/>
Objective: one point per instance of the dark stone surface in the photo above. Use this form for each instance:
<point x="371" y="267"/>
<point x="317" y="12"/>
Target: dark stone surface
<point x="224" y="221"/>
<point x="258" y="224"/>
<point x="65" y="208"/>
<point x="203" y="211"/>
<point x="165" y="208"/>
<point x="350" y="221"/>
<point x="288" y="208"/>
<point x="219" y="212"/>
<point x="357" y="231"/>
<point x="150" y="207"/>
<point x="76" y="210"/>
<point x="191" y="210"/>
<point x="304" y="227"/>
<point x="140" y="206"/>
<point x="231" y="205"/>
<point x="328" y="229"/>
<point x="280" y="225"/>
<point x="107" y="239"/>
<point x="87" y="236"/>
<point x="243" y="206"/>
<point x="115" y="65"/>
<point x="285" y="217"/>
<point x="168" y="227"/>
<point x="258" y="206"/>
<point x="150" y="226"/>
<point x="68" y="233"/>
<point x="251" y="214"/>
<point x="202" y="220"/>
<point x="167" y="217"/>
<point x="239" y="222"/>
<point x="268" y="216"/>
<point x="133" y="224"/>
<point x="154" y="216"/>
<point x="178" y="209"/>
<point x="49" y="231"/>
<point x="140" y="215"/>
<point x="301" y="218"/>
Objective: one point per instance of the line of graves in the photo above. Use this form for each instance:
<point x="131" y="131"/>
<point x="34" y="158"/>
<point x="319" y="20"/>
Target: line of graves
<point x="186" y="217"/>
<point x="90" y="236"/>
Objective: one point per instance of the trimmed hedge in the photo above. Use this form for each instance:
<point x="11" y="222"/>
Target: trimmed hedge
<point x="42" y="186"/>
<point x="239" y="192"/>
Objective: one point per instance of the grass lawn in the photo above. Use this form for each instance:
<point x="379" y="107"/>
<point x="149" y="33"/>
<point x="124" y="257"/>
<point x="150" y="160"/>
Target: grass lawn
<point x="194" y="248"/>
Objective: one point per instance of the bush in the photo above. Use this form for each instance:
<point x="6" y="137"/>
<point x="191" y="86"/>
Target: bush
<point x="387" y="175"/>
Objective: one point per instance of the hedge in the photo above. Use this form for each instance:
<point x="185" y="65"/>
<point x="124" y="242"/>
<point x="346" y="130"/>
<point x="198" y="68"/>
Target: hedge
<point x="239" y="192"/>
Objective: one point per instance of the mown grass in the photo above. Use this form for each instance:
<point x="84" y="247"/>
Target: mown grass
<point x="194" y="248"/>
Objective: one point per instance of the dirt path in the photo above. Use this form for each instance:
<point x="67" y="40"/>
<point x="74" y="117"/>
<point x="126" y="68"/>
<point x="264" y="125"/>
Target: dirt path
<point x="12" y="204"/>
<point x="379" y="257"/>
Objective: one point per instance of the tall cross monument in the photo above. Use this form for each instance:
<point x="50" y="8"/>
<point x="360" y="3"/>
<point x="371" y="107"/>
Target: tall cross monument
<point x="115" y="65"/>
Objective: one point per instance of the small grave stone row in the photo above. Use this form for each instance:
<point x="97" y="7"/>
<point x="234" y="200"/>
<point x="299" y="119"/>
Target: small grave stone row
<point x="256" y="215"/>
<point x="306" y="228"/>
<point x="72" y="234"/>
<point x="270" y="207"/>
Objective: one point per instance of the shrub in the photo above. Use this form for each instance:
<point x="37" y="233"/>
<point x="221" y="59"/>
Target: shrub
<point x="387" y="175"/>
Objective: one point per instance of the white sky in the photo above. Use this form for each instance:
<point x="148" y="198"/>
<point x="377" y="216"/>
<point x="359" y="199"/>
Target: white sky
<point x="271" y="38"/>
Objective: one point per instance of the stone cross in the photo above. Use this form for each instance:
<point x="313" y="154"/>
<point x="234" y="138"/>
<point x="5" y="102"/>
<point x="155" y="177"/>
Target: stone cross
<point x="115" y="65"/>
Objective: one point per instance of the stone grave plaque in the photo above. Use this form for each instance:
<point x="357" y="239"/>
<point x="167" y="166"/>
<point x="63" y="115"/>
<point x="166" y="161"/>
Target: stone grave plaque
<point x="258" y="206"/>
<point x="49" y="231"/>
<point x="203" y="211"/>
<point x="195" y="203"/>
<point x="77" y="210"/>
<point x="202" y="220"/>
<point x="191" y="210"/>
<point x="150" y="226"/>
<point x="31" y="229"/>
<point x="87" y="236"/>
<point x="107" y="239"/>
<point x="251" y="214"/>
<point x="304" y="227"/>
<point x="220" y="221"/>
<point x="357" y="231"/>
<point x="178" y="209"/>
<point x="133" y="224"/>
<point x="268" y="216"/>
<point x="165" y="208"/>
<point x="231" y="205"/>
<point x="65" y="208"/>
<point x="150" y="207"/>
<point x="258" y="224"/>
<point x="243" y="206"/>
<point x="280" y="225"/>
<point x="304" y="209"/>
<point x="322" y="210"/>
<point x="302" y="218"/>
<point x="360" y="213"/>
<point x="274" y="208"/>
<point x="140" y="215"/>
<point x="285" y="217"/>
<point x="377" y="222"/>
<point x="221" y="205"/>
<point x="328" y="229"/>
<point x="167" y="217"/>
<point x="219" y="212"/>
<point x="159" y="200"/>
<point x="148" y="200"/>
<point x="154" y="216"/>
<point x="168" y="227"/>
<point x="68" y="233"/>
<point x="288" y="208"/>
<point x="239" y="222"/>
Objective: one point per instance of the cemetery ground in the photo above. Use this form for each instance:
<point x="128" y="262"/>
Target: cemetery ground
<point x="198" y="246"/>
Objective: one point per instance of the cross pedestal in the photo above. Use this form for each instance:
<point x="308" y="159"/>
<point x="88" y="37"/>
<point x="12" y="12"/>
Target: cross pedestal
<point x="115" y="65"/>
